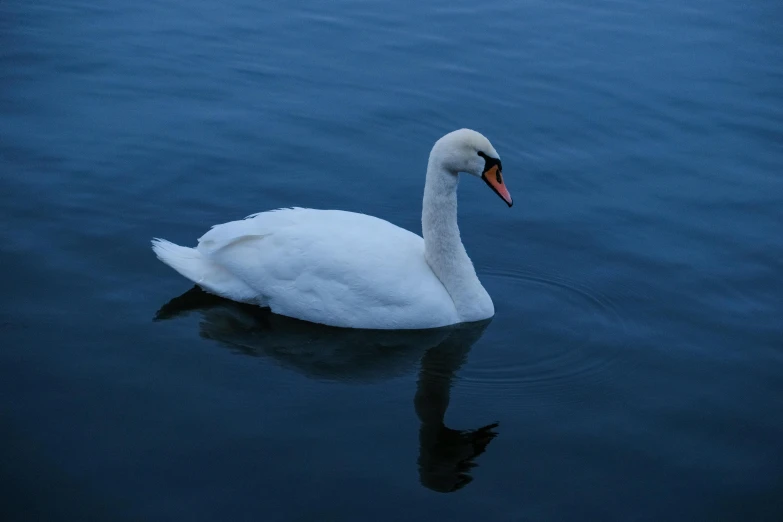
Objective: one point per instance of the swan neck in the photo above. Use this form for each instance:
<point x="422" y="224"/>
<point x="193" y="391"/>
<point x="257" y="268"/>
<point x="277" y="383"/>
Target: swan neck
<point x="439" y="212"/>
<point x="443" y="248"/>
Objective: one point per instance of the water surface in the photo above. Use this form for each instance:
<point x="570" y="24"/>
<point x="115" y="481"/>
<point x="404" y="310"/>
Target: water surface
<point x="634" y="367"/>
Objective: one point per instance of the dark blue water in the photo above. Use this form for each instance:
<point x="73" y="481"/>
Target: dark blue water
<point x="635" y="364"/>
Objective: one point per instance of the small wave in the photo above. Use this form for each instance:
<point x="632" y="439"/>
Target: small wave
<point x="568" y="333"/>
<point x="604" y="305"/>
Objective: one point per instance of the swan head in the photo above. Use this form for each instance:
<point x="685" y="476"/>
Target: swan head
<point x="468" y="151"/>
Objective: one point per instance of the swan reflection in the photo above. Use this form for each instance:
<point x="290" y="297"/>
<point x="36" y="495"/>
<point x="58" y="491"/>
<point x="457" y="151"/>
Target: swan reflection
<point x="446" y="456"/>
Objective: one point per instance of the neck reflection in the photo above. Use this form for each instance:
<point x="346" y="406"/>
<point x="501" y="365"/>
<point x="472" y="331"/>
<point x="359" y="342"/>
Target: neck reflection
<point x="446" y="456"/>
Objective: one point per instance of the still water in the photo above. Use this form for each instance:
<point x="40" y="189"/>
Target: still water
<point x="633" y="370"/>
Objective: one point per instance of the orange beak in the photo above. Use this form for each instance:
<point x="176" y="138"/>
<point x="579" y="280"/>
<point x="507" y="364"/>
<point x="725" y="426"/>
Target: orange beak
<point x="494" y="179"/>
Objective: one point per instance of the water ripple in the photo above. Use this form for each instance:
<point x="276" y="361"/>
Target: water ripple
<point x="603" y="306"/>
<point x="568" y="337"/>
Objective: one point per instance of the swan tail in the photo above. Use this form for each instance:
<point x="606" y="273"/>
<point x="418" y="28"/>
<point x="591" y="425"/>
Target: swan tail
<point x="187" y="261"/>
<point x="192" y="264"/>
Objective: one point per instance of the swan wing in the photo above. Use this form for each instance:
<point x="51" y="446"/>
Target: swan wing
<point x="332" y="267"/>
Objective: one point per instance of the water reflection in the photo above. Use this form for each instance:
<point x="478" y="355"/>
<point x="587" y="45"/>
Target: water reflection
<point x="446" y="456"/>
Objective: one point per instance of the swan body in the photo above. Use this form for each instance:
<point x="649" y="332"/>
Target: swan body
<point x="353" y="270"/>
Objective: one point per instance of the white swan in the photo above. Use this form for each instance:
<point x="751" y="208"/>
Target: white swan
<point x="353" y="270"/>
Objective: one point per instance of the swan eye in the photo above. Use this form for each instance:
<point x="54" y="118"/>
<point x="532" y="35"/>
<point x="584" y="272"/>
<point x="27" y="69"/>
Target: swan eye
<point x="490" y="162"/>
